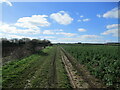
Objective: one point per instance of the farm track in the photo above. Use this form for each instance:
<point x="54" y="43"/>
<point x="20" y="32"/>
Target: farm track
<point x="36" y="73"/>
<point x="78" y="77"/>
<point x="75" y="80"/>
<point x="53" y="77"/>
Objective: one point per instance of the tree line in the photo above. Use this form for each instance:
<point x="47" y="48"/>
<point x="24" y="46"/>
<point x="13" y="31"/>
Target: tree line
<point x="19" y="48"/>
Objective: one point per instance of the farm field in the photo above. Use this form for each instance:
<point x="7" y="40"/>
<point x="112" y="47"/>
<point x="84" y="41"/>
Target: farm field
<point x="65" y="66"/>
<point x="101" y="60"/>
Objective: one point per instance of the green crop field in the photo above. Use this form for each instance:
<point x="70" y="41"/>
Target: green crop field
<point x="103" y="61"/>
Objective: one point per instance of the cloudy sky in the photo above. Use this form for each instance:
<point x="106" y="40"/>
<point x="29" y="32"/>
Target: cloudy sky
<point x="60" y="21"/>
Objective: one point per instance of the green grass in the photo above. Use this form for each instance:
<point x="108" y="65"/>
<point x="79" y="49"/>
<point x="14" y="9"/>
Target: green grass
<point x="62" y="78"/>
<point x="35" y="71"/>
<point x="42" y="77"/>
<point x="14" y="69"/>
<point x="16" y="73"/>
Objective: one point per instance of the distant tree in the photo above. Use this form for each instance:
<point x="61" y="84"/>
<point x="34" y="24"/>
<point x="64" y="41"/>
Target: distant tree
<point x="79" y="43"/>
<point x="14" y="40"/>
<point x="26" y="40"/>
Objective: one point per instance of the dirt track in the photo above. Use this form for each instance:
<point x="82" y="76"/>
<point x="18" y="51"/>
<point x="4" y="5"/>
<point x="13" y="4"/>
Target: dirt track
<point x="75" y="79"/>
<point x="79" y="78"/>
<point x="53" y="77"/>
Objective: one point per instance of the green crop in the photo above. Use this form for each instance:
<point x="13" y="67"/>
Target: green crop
<point x="102" y="61"/>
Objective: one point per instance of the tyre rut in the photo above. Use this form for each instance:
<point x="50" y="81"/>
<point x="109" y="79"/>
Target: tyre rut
<point x="77" y="75"/>
<point x="75" y="79"/>
<point x="53" y="77"/>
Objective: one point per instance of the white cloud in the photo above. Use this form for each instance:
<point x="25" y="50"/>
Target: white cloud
<point x="19" y="36"/>
<point x="114" y="32"/>
<point x="81" y="29"/>
<point x="58" y="32"/>
<point x="6" y="28"/>
<point x="33" y="22"/>
<point x="26" y="25"/>
<point x="98" y="15"/>
<point x="52" y="31"/>
<point x="111" y="14"/>
<point x="82" y="38"/>
<point x="7" y="2"/>
<point x="10" y="36"/>
<point x="81" y="16"/>
<point x="112" y="26"/>
<point x="47" y="37"/>
<point x="62" y="17"/>
<point x="66" y="34"/>
<point x="89" y="36"/>
<point x="79" y="20"/>
<point x="48" y="32"/>
<point x="112" y="29"/>
<point x="85" y="20"/>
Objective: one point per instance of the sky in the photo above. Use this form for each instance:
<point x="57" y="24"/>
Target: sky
<point x="60" y="22"/>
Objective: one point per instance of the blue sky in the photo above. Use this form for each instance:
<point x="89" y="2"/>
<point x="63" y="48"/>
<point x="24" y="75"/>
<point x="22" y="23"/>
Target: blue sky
<point x="61" y="21"/>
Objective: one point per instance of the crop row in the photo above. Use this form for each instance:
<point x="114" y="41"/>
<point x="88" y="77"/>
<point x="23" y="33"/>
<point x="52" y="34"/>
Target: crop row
<point x="102" y="61"/>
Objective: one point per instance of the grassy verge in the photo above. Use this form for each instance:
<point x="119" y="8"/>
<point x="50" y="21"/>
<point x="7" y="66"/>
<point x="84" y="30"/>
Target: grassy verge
<point x="35" y="71"/>
<point x="18" y="73"/>
<point x="42" y="76"/>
